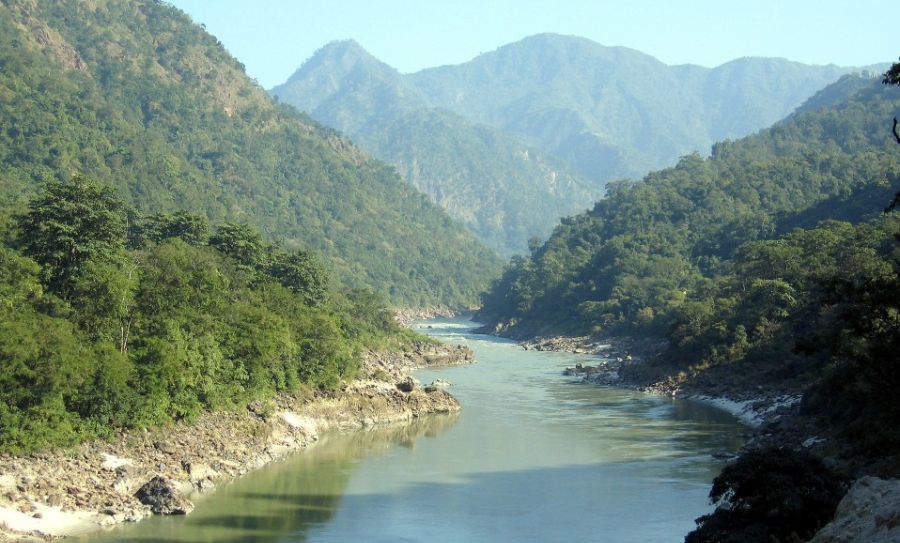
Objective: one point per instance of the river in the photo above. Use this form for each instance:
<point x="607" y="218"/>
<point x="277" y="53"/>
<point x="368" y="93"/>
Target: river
<point x="532" y="456"/>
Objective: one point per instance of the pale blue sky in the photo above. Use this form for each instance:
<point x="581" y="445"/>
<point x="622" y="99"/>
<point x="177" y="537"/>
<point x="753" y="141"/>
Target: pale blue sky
<point x="273" y="37"/>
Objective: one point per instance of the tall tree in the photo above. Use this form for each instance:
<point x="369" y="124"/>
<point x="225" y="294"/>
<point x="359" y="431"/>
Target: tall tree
<point x="72" y="223"/>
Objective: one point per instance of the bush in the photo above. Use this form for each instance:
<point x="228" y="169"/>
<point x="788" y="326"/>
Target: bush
<point x="768" y="496"/>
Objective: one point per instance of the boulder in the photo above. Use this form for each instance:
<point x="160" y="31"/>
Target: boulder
<point x="163" y="497"/>
<point x="407" y="384"/>
<point x="869" y="513"/>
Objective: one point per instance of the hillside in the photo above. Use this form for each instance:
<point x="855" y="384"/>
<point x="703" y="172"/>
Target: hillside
<point x="651" y="246"/>
<point x="503" y="190"/>
<point x="768" y="268"/>
<point x="135" y="95"/>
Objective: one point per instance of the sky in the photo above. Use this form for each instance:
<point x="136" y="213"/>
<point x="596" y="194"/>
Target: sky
<point x="274" y="37"/>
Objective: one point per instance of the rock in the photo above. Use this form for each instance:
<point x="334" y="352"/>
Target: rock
<point x="163" y="497"/>
<point x="199" y="470"/>
<point x="164" y="447"/>
<point x="869" y="513"/>
<point x="407" y="384"/>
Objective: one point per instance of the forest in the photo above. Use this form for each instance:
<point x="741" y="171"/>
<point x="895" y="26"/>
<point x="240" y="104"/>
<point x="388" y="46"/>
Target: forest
<point x="135" y="95"/>
<point x="114" y="319"/>
<point x="771" y="261"/>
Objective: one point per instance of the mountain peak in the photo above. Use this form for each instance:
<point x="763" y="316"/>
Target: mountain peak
<point x="341" y="57"/>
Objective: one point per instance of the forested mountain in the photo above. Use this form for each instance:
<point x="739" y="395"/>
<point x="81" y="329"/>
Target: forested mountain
<point x="653" y="245"/>
<point x="770" y="261"/>
<point x="503" y="190"/>
<point x="613" y="112"/>
<point x="518" y="137"/>
<point x="135" y="95"/>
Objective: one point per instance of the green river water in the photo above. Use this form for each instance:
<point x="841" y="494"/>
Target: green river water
<point x="532" y="456"/>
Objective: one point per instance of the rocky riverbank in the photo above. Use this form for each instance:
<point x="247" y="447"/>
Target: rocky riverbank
<point x="408" y="315"/>
<point x="869" y="511"/>
<point x="58" y="493"/>
<point x="619" y="364"/>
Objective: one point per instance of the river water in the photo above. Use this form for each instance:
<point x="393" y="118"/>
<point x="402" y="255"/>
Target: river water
<point x="532" y="456"/>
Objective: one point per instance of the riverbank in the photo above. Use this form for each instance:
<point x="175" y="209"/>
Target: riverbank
<point x="771" y="408"/>
<point x="405" y="316"/>
<point x="59" y="493"/>
<point x="619" y="364"/>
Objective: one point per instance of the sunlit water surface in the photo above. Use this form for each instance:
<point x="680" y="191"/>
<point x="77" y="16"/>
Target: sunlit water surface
<point x="532" y="456"/>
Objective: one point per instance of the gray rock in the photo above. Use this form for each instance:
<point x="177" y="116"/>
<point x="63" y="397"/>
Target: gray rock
<point x="869" y="513"/>
<point x="163" y="497"/>
<point x="408" y="384"/>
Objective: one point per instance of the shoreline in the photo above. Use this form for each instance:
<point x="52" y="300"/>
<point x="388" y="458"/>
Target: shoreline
<point x="55" y="494"/>
<point x="754" y="407"/>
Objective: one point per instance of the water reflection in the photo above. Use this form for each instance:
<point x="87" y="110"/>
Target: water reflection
<point x="533" y="456"/>
<point x="284" y="499"/>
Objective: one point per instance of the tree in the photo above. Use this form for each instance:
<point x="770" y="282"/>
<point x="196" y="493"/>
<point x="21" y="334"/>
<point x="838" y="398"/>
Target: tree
<point x="303" y="273"/>
<point x="240" y="242"/>
<point x="769" y="495"/>
<point x="70" y="224"/>
<point x="892" y="77"/>
<point x="190" y="227"/>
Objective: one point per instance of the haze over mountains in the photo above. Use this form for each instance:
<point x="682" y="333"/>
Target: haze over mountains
<point x="518" y="137"/>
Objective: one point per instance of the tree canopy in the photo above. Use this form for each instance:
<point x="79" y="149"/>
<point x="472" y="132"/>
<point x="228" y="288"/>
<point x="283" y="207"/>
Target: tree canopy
<point x="97" y="334"/>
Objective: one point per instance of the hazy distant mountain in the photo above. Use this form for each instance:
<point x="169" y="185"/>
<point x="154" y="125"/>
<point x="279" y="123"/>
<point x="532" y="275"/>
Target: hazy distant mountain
<point x="566" y="115"/>
<point x="503" y="190"/>
<point x="612" y="111"/>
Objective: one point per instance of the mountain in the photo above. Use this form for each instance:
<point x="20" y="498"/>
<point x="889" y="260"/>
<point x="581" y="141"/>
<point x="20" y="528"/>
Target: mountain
<point x="133" y="94"/>
<point x="503" y="190"/>
<point x="652" y="246"/>
<point x="518" y="137"/>
<point x="770" y="267"/>
<point x="614" y="112"/>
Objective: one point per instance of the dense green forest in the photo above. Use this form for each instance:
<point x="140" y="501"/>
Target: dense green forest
<point x="134" y="95"/>
<point x="110" y="318"/>
<point x="771" y="260"/>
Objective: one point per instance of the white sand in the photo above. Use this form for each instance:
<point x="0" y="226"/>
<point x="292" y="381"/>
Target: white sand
<point x="47" y="520"/>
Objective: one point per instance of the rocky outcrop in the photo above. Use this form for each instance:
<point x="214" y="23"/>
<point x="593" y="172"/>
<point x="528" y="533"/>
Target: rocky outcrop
<point x="408" y="315"/>
<point x="163" y="497"/>
<point x="869" y="513"/>
<point x="421" y="355"/>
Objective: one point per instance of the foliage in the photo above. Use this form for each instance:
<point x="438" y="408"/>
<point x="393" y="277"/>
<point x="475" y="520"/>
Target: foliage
<point x="73" y="223"/>
<point x="136" y="96"/>
<point x="164" y="330"/>
<point x="769" y="496"/>
<point x="892" y="76"/>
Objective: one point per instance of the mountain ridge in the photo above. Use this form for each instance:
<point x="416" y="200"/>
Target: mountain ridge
<point x="591" y="113"/>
